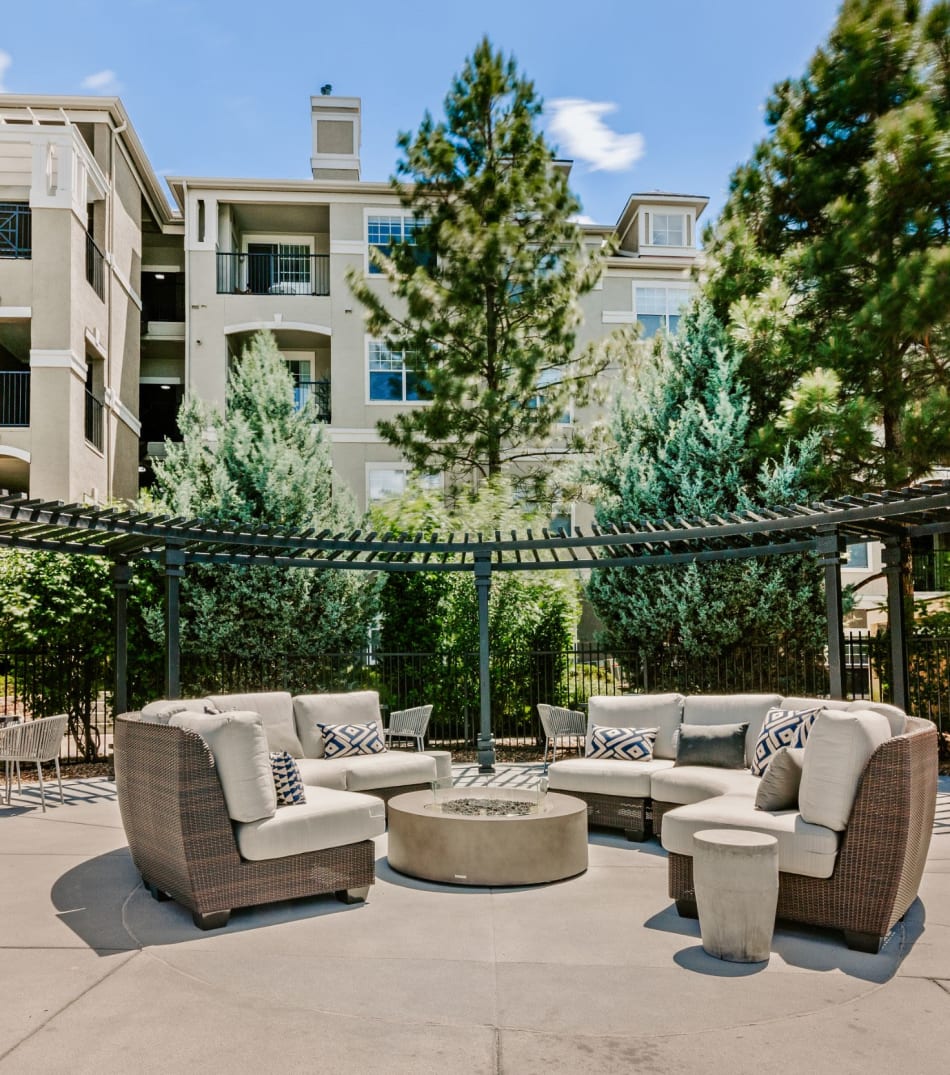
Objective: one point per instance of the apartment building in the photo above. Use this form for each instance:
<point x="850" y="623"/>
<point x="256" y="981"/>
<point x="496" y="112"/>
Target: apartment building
<point x="113" y="303"/>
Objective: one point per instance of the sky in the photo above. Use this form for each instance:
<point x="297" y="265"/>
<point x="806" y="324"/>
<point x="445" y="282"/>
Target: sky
<point x="641" y="95"/>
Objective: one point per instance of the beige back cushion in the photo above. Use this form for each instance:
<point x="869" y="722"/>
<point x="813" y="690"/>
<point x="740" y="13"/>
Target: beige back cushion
<point x="164" y="709"/>
<point x="896" y="717"/>
<point x="836" y="752"/>
<point x="661" y="711"/>
<point x="354" y="707"/>
<point x="277" y="714"/>
<point x="239" y="746"/>
<point x="748" y="709"/>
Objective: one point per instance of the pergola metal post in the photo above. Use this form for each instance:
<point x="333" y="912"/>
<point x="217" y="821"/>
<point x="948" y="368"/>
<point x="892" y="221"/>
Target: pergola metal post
<point x="486" y="744"/>
<point x="174" y="559"/>
<point x="895" y="621"/>
<point x="830" y="547"/>
<point x="121" y="573"/>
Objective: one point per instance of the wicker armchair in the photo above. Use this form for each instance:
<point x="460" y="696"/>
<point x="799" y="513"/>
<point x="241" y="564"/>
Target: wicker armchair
<point x="560" y="723"/>
<point x="181" y="839"/>
<point x="34" y="741"/>
<point x="882" y="854"/>
<point x="409" y="724"/>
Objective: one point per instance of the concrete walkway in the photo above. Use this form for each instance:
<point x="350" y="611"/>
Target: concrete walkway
<point x="596" y="974"/>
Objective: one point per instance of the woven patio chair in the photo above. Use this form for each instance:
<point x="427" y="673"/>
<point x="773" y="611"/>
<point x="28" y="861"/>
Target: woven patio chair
<point x="409" y="724"/>
<point x="34" y="741"/>
<point x="560" y="723"/>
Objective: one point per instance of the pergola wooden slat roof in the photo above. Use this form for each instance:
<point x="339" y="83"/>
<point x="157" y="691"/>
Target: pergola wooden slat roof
<point x="824" y="527"/>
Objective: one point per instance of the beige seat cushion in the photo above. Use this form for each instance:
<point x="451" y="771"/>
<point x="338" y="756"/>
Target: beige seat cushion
<point x="391" y="769"/>
<point x="239" y="746"/>
<point x="661" y="711"/>
<point x="327" y="819"/>
<point x="277" y="713"/>
<point x="836" y="752"/>
<point x="324" y="772"/>
<point x="748" y="709"/>
<point x="693" y="783"/>
<point x="353" y="707"/>
<point x="803" y="848"/>
<point x="606" y="776"/>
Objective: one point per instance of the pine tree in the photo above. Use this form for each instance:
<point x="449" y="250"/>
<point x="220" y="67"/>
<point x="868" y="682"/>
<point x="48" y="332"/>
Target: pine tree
<point x="486" y="292"/>
<point x="263" y="463"/>
<point x="832" y="256"/>
<point x="681" y="451"/>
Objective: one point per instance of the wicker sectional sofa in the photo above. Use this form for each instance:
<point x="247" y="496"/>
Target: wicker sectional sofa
<point x="198" y="802"/>
<point x="859" y="876"/>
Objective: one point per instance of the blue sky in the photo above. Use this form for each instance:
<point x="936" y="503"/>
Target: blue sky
<point x="642" y="95"/>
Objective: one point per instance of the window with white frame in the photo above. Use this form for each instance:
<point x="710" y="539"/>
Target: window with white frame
<point x="390" y="479"/>
<point x="383" y="232"/>
<point x="392" y="376"/>
<point x="668" y="229"/>
<point x="857" y="555"/>
<point x="659" y="308"/>
<point x="549" y="377"/>
<point x="278" y="268"/>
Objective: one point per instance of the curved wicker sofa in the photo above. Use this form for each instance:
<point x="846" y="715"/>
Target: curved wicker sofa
<point x="182" y="841"/>
<point x="880" y="854"/>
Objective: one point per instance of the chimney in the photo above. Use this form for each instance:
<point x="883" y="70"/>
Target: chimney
<point x="336" y="137"/>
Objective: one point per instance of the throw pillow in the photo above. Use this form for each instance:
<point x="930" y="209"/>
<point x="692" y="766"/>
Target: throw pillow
<point x="287" y="780"/>
<point x="345" y="740"/>
<point x="778" y="789"/>
<point x="781" y="728"/>
<point x="720" y="745"/>
<point x="630" y="744"/>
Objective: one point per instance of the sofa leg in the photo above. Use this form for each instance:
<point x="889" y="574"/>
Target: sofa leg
<point x="863" y="942"/>
<point x="687" y="909"/>
<point x="210" y="920"/>
<point x="353" y="895"/>
<point x="156" y="893"/>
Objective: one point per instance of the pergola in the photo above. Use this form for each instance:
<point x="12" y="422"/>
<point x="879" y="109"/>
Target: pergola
<point x="824" y="528"/>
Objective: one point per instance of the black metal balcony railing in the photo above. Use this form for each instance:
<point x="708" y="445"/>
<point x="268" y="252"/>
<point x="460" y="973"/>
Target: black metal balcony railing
<point x="274" y="274"/>
<point x="16" y="230"/>
<point x="95" y="262"/>
<point x="93" y="420"/>
<point x="932" y="571"/>
<point x="14" y="398"/>
<point x="316" y="391"/>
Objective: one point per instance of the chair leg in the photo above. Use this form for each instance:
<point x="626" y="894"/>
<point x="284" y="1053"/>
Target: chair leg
<point x="59" y="778"/>
<point x="19" y="786"/>
<point x="8" y="782"/>
<point x="39" y="777"/>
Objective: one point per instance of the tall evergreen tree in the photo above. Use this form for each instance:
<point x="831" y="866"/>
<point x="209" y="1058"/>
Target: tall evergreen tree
<point x="681" y="450"/>
<point x="832" y="255"/>
<point x="263" y="463"/>
<point x="483" y="297"/>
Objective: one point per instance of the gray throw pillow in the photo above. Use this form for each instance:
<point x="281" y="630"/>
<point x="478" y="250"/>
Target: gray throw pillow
<point x="719" y="745"/>
<point x="778" y="789"/>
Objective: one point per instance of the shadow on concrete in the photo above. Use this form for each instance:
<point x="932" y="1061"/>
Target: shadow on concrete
<point x="809" y="948"/>
<point x="104" y="902"/>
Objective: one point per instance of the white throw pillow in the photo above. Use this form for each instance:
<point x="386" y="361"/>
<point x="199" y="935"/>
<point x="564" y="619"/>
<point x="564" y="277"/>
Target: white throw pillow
<point x="837" y="750"/>
<point x="239" y="746"/>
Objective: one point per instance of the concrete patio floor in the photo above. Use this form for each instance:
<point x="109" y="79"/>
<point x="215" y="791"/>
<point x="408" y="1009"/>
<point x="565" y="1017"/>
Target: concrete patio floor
<point x="595" y="974"/>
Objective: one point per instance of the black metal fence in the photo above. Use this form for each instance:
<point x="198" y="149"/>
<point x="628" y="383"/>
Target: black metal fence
<point x="42" y="682"/>
<point x="286" y="272"/>
<point x="16" y="230"/>
<point x="93" y="420"/>
<point x="95" y="267"/>
<point x="14" y="398"/>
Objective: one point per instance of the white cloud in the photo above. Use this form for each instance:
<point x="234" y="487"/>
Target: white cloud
<point x="5" y="60"/>
<point x="582" y="218"/>
<point x="101" y="82"/>
<point x="579" y="126"/>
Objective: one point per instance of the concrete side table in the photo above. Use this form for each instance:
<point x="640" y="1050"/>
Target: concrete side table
<point x="735" y="874"/>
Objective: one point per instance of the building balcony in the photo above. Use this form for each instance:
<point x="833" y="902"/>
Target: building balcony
<point x="316" y="391"/>
<point x="273" y="273"/>
<point x="93" y="420"/>
<point x="14" y="398"/>
<point x="932" y="571"/>
<point x="16" y="230"/>
<point x="95" y="267"/>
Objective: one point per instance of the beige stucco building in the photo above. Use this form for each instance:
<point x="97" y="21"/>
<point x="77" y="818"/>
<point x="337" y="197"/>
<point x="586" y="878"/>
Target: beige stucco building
<point x="113" y="303"/>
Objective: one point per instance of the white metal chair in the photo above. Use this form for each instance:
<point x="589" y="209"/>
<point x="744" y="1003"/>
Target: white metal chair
<point x="34" y="741"/>
<point x="409" y="724"/>
<point x="560" y="723"/>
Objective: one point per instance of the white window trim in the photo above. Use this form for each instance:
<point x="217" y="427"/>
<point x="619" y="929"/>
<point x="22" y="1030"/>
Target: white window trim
<point x="395" y="467"/>
<point x="367" y="341"/>
<point x="378" y="211"/>
<point x="667" y="286"/>
<point x="644" y="229"/>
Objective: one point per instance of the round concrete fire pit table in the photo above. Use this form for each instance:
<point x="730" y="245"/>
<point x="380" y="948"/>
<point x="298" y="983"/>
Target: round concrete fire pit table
<point x="438" y="843"/>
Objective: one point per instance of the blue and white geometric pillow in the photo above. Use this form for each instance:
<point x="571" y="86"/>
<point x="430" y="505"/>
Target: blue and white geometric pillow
<point x="287" y="780"/>
<point x="782" y="728"/>
<point x="629" y="744"/>
<point x="344" y="740"/>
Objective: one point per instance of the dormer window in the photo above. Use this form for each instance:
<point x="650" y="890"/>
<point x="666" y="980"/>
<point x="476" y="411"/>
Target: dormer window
<point x="667" y="229"/>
